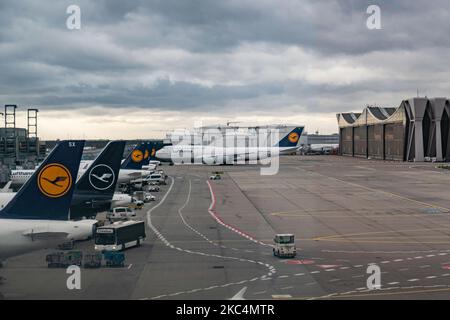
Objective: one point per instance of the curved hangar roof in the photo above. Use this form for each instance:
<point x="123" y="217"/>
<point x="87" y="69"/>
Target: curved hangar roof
<point x="370" y="115"/>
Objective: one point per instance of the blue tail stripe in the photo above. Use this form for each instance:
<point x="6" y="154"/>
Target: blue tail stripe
<point x="289" y="142"/>
<point x="42" y="200"/>
<point x="131" y="162"/>
<point x="107" y="162"/>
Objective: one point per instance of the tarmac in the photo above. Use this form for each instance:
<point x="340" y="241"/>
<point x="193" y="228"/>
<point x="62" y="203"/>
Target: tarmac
<point x="209" y="239"/>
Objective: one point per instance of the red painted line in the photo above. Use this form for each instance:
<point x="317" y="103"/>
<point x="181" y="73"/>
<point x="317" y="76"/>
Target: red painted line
<point x="214" y="214"/>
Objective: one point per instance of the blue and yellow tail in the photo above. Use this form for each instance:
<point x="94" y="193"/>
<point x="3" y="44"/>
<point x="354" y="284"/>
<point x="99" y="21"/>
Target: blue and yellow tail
<point x="291" y="139"/>
<point x="153" y="147"/>
<point x="138" y="157"/>
<point x="48" y="193"/>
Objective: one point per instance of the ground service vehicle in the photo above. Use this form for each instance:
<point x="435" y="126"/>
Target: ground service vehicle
<point x="284" y="245"/>
<point x="120" y="235"/>
<point x="120" y="213"/>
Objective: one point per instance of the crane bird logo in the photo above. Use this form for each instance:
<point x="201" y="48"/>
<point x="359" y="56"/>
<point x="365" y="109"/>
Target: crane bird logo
<point x="101" y="177"/>
<point x="293" y="137"/>
<point x="54" y="180"/>
<point x="137" y="156"/>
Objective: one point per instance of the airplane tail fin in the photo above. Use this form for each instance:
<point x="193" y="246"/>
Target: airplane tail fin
<point x="291" y="139"/>
<point x="137" y="158"/>
<point x="101" y="176"/>
<point x="48" y="193"/>
<point x="154" y="146"/>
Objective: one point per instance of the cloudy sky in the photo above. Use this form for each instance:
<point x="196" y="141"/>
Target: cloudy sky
<point x="138" y="68"/>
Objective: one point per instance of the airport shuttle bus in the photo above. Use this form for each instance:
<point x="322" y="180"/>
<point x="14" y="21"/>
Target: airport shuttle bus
<point x="119" y="235"/>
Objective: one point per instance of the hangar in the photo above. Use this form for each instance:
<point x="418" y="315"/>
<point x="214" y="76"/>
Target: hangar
<point x="418" y="130"/>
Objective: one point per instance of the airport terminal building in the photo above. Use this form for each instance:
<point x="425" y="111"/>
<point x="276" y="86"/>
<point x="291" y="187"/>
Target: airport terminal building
<point x="418" y="130"/>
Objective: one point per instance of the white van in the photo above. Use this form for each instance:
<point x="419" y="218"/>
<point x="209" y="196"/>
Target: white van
<point x="120" y="213"/>
<point x="156" y="177"/>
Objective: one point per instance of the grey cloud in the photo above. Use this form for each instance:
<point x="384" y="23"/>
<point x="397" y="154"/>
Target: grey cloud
<point x="44" y="64"/>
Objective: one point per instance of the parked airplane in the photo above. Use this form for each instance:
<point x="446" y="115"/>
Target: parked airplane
<point x="181" y="154"/>
<point x="95" y="188"/>
<point x="38" y="214"/>
<point x="131" y="167"/>
<point x="320" y="148"/>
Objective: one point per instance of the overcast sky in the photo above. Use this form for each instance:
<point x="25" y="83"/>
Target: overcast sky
<point x="138" y="68"/>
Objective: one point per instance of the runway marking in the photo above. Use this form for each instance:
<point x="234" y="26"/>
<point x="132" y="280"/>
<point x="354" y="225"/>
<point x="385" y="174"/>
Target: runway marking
<point x="161" y="237"/>
<point x="259" y="292"/>
<point x="129" y="267"/>
<point x="381" y="237"/>
<point x="212" y="212"/>
<point x="380" y="191"/>
<point x="287" y="288"/>
<point x="356" y="293"/>
<point x="281" y="296"/>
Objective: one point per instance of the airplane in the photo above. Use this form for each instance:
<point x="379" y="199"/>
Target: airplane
<point x="320" y="148"/>
<point x="37" y="216"/>
<point x="154" y="147"/>
<point x="213" y="155"/>
<point x="93" y="193"/>
<point x="131" y="168"/>
<point x="95" y="188"/>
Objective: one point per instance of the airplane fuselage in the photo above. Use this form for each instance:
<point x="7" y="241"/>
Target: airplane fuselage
<point x="19" y="236"/>
<point x="184" y="154"/>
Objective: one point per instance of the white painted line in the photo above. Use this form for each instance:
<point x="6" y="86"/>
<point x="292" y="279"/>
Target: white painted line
<point x="431" y="277"/>
<point x="259" y="292"/>
<point x="299" y="274"/>
<point x="392" y="283"/>
<point x="413" y="280"/>
<point x="315" y="272"/>
<point x="283" y="276"/>
<point x="281" y="296"/>
<point x="129" y="267"/>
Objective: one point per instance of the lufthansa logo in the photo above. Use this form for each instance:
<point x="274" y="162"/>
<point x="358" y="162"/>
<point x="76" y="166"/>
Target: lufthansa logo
<point x="146" y="154"/>
<point x="293" y="137"/>
<point x="153" y="152"/>
<point x="101" y="177"/>
<point x="54" y="180"/>
<point x="137" y="156"/>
